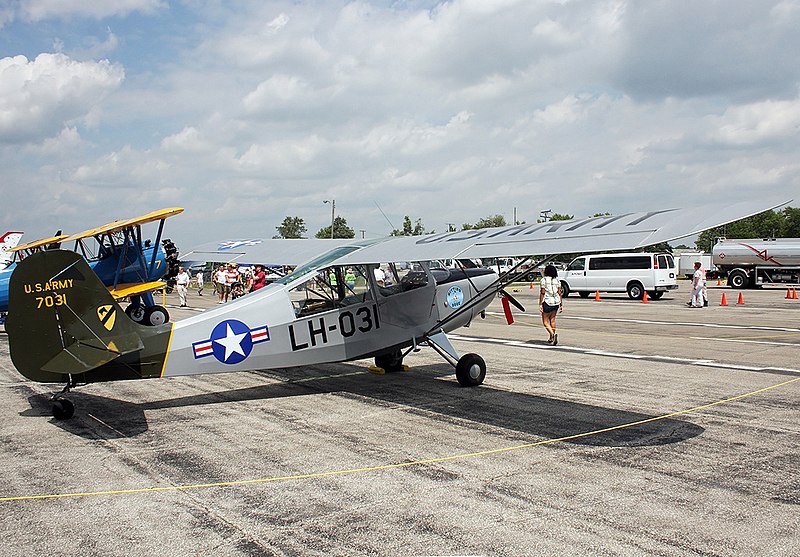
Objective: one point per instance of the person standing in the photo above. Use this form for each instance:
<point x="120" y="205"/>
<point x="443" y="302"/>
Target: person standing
<point x="696" y="300"/>
<point x="182" y="280"/>
<point x="550" y="301"/>
<point x="199" y="278"/>
<point x="231" y="276"/>
<point x="219" y="278"/>
<point x="259" y="278"/>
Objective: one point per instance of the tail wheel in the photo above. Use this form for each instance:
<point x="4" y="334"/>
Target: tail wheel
<point x="470" y="370"/>
<point x="63" y="409"/>
<point x="656" y="295"/>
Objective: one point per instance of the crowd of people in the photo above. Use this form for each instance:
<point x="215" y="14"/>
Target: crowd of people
<point x="229" y="281"/>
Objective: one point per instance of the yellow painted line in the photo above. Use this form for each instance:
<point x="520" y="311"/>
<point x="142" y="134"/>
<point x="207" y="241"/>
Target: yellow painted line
<point x="169" y="345"/>
<point x="365" y="469"/>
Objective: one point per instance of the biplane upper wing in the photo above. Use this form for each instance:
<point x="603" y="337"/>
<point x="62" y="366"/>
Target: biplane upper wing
<point x="44" y="242"/>
<point x="118" y="225"/>
<point x="263" y="251"/>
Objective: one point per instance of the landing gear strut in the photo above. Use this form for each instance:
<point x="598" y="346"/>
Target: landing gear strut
<point x="63" y="409"/>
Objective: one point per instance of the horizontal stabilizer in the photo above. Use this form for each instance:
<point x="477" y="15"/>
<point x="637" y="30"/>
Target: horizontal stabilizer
<point x="85" y="355"/>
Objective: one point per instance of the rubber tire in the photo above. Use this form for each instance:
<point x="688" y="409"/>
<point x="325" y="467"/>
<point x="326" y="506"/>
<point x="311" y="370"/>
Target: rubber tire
<point x="155" y="315"/>
<point x="635" y="290"/>
<point x="470" y="370"/>
<point x="390" y="362"/>
<point x="63" y="409"/>
<point x="737" y="279"/>
<point x="564" y="289"/>
<point x="584" y="294"/>
<point x="655" y="295"/>
<point x="136" y="313"/>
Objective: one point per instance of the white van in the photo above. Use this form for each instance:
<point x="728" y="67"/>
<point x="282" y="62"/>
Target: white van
<point x="634" y="273"/>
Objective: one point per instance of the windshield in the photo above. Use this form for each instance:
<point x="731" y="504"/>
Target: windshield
<point x="322" y="261"/>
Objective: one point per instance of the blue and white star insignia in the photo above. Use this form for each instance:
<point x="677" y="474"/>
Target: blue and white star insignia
<point x="231" y="341"/>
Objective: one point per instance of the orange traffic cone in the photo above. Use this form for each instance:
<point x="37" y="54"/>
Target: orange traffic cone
<point x="724" y="301"/>
<point x="789" y="294"/>
<point x="719" y="281"/>
<point x="740" y="301"/>
<point x="644" y="298"/>
<point x="596" y="295"/>
<point x="794" y="293"/>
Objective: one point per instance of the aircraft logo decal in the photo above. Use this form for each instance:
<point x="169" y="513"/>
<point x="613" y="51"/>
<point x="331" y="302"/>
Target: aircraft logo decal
<point x="107" y="316"/>
<point x="455" y="297"/>
<point x="237" y="244"/>
<point x="231" y="342"/>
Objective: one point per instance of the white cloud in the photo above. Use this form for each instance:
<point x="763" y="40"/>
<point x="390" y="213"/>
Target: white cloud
<point x="37" y="10"/>
<point x="39" y="97"/>
<point x="759" y="123"/>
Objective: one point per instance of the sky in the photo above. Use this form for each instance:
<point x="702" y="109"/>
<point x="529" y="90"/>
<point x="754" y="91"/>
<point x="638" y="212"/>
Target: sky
<point x="245" y="112"/>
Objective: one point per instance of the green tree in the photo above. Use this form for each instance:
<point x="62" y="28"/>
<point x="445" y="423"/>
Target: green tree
<point x="558" y="216"/>
<point x="487" y="222"/>
<point x="409" y="229"/>
<point x="791" y="228"/>
<point x="763" y="225"/>
<point x="340" y="230"/>
<point x="291" y="227"/>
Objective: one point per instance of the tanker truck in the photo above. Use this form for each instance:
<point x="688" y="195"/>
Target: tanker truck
<point x="758" y="262"/>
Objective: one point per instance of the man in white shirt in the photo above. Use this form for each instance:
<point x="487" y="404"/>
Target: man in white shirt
<point x="182" y="282"/>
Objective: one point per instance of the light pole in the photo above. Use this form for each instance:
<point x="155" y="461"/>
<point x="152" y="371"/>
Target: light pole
<point x="333" y="213"/>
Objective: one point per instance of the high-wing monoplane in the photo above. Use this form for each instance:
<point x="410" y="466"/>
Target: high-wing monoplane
<point x="126" y="262"/>
<point x="65" y="327"/>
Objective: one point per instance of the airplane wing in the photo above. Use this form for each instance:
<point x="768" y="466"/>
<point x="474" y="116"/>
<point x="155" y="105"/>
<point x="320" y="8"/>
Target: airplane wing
<point x="594" y="234"/>
<point x="118" y="225"/>
<point x="254" y="251"/>
<point x="134" y="289"/>
<point x="44" y="242"/>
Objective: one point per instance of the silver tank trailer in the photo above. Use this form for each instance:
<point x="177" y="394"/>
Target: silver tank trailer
<point x="781" y="252"/>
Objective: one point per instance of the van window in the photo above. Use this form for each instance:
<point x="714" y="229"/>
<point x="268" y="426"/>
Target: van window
<point x="665" y="261"/>
<point x="619" y="262"/>
<point x="578" y="264"/>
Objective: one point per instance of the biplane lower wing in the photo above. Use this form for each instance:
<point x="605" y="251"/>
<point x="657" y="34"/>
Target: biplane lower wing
<point x="134" y="289"/>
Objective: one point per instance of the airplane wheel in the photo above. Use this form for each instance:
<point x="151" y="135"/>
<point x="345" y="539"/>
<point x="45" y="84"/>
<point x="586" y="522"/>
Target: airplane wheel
<point x="470" y="370"/>
<point x="136" y="313"/>
<point x="156" y="315"/>
<point x="390" y="362"/>
<point x="63" y="409"/>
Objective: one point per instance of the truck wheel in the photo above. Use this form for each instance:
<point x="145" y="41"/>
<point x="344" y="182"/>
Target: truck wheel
<point x="737" y="279"/>
<point x="564" y="289"/>
<point x="635" y="290"/>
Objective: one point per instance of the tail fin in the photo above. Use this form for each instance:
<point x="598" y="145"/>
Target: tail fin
<point x="7" y="241"/>
<point x="62" y="320"/>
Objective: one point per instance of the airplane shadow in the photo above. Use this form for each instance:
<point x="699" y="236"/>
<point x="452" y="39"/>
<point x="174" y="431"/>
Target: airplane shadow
<point x="525" y="417"/>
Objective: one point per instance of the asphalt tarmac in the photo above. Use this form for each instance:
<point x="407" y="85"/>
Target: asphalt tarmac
<point x="651" y="429"/>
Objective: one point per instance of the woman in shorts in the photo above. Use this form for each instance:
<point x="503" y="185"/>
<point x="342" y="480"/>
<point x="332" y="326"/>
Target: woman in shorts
<point x="550" y="301"/>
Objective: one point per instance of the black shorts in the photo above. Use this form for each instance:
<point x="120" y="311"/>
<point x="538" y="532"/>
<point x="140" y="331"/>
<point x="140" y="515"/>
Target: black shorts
<point x="547" y="308"/>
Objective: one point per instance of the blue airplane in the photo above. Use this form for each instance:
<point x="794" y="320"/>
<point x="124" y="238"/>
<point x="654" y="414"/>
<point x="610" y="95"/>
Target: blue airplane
<point x="130" y="266"/>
